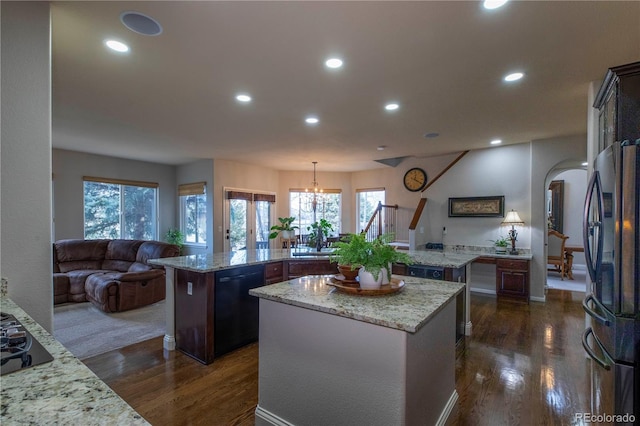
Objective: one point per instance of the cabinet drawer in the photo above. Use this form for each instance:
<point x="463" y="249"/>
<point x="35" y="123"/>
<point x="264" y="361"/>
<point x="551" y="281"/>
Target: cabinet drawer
<point x="273" y="270"/>
<point x="518" y="265"/>
<point x="311" y="267"/>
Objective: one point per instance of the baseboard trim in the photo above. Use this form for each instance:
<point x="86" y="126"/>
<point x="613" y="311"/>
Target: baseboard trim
<point x="271" y="418"/>
<point x="538" y="299"/>
<point x="444" y="416"/>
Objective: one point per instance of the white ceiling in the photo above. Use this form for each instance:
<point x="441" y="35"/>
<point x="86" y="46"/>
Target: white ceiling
<point x="171" y="98"/>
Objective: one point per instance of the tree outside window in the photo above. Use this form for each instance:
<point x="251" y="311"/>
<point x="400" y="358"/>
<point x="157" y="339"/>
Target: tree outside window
<point x="113" y="210"/>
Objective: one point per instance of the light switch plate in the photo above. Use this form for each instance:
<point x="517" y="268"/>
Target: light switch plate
<point x="190" y="288"/>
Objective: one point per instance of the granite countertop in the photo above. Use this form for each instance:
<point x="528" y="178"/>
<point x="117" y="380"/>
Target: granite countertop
<point x="63" y="391"/>
<point x="407" y="310"/>
<point x="218" y="261"/>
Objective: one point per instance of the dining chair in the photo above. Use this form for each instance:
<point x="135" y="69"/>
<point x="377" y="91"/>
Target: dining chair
<point x="556" y="255"/>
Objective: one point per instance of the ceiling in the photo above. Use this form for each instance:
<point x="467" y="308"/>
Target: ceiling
<point x="171" y="99"/>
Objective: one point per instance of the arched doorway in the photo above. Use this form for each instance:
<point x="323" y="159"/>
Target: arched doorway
<point x="566" y="185"/>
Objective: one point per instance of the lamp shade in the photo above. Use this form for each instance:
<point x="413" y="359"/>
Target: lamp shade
<point x="512" y="219"/>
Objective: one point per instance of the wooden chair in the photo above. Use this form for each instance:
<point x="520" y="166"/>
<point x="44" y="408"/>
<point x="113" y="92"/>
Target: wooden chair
<point x="556" y="253"/>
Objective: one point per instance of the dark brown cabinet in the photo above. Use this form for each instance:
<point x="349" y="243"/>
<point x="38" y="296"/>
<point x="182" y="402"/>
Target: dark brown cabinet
<point x="274" y="272"/>
<point x="512" y="278"/>
<point x="300" y="268"/>
<point x="619" y="106"/>
<point x="194" y="303"/>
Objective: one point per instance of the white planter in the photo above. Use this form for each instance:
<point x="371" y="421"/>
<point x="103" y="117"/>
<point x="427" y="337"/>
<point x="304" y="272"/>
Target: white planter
<point x="386" y="275"/>
<point x="501" y="250"/>
<point x="287" y="235"/>
<point x="367" y="281"/>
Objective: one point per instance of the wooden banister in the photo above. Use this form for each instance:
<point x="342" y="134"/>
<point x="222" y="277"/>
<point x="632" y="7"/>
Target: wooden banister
<point x="417" y="214"/>
<point x="445" y="170"/>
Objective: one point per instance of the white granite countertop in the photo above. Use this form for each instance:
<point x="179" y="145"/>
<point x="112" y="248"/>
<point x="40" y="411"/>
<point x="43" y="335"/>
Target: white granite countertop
<point x="407" y="310"/>
<point x="218" y="261"/>
<point x="61" y="392"/>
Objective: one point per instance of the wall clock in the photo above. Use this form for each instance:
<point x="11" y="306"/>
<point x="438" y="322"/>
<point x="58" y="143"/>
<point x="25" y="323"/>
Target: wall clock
<point x="415" y="179"/>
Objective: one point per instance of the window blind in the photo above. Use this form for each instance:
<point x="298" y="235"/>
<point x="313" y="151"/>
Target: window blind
<point x="264" y="197"/>
<point x="120" y="181"/>
<point x="239" y="195"/>
<point x="197" y="188"/>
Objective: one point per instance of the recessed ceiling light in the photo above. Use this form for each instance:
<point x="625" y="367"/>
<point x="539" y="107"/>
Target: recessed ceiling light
<point x="515" y="76"/>
<point x="140" y="23"/>
<point x="333" y="63"/>
<point x="431" y="135"/>
<point x="381" y="148"/>
<point x="311" y="120"/>
<point x="243" y="97"/>
<point x="117" y="46"/>
<point x="585" y="164"/>
<point x="391" y="106"/>
<point x="496" y="142"/>
<point x="494" y="4"/>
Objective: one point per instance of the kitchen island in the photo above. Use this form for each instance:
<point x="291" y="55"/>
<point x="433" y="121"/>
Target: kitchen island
<point x="341" y="359"/>
<point x="61" y="392"/>
<point x="195" y="302"/>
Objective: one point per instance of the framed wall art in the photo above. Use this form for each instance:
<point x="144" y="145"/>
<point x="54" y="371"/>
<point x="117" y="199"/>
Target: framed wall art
<point x="477" y="206"/>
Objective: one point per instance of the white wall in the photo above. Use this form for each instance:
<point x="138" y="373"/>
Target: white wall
<point x="199" y="171"/>
<point x="70" y="166"/>
<point x="545" y="156"/>
<point x="26" y="157"/>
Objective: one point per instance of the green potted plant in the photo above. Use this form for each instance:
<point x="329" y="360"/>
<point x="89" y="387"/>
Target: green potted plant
<point x="285" y="228"/>
<point x="350" y="253"/>
<point x="501" y="244"/>
<point x="320" y="230"/>
<point x="176" y="237"/>
<point x="383" y="256"/>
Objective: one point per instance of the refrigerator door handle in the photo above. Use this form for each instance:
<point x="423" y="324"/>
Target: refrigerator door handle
<point x="593" y="314"/>
<point x="590" y="226"/>
<point x="604" y="363"/>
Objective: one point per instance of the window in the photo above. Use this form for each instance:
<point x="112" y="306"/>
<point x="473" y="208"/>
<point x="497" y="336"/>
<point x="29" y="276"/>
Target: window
<point x="327" y="207"/>
<point x="193" y="212"/>
<point x="119" y="209"/>
<point x="368" y="200"/>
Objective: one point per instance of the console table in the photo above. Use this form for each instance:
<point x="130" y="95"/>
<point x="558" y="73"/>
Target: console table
<point x="512" y="276"/>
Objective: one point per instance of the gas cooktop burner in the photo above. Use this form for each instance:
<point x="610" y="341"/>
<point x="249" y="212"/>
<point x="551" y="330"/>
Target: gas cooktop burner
<point x="18" y="348"/>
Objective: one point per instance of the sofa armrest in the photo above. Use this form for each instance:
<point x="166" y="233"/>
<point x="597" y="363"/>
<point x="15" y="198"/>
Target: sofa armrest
<point x="138" y="276"/>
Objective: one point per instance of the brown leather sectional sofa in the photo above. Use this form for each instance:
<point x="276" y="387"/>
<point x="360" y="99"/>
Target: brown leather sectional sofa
<point x="111" y="274"/>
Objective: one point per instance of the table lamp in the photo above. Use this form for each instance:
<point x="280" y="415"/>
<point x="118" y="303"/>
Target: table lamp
<point x="513" y="219"/>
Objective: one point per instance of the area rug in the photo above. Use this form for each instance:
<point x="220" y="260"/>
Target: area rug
<point x="87" y="331"/>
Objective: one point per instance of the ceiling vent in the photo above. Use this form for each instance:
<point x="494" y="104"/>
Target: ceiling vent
<point x="141" y="23"/>
<point x="393" y="162"/>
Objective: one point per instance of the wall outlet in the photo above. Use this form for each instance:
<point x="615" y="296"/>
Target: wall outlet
<point x="422" y="229"/>
<point x="190" y="288"/>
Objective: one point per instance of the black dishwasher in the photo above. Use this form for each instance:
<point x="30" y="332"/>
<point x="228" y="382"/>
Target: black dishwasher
<point x="235" y="311"/>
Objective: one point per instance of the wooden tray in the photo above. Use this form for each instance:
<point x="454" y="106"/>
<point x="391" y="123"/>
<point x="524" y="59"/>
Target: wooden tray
<point x="393" y="287"/>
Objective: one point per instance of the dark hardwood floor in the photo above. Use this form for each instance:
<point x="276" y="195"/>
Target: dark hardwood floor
<point x="524" y="365"/>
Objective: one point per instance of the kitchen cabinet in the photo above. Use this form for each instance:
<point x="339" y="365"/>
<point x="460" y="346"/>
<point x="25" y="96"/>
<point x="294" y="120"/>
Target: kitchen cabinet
<point x="273" y="272"/>
<point x="617" y="102"/>
<point x="512" y="279"/>
<point x="300" y="268"/>
<point x="214" y="312"/>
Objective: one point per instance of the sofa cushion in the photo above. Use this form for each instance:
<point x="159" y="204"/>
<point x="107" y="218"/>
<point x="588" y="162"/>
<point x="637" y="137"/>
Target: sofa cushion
<point x="77" y="279"/>
<point x="120" y="254"/>
<point x="61" y="287"/>
<point x="72" y="255"/>
<point x="155" y="250"/>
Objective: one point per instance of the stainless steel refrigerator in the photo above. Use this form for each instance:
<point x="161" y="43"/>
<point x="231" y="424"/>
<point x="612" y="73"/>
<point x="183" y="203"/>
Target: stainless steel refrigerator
<point x="612" y="245"/>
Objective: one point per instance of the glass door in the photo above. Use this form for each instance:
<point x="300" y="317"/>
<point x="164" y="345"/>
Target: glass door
<point x="237" y="228"/>
<point x="247" y="222"/>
